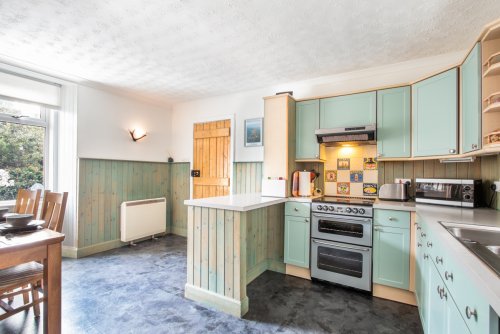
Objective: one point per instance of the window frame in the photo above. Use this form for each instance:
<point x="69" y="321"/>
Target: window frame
<point x="47" y="122"/>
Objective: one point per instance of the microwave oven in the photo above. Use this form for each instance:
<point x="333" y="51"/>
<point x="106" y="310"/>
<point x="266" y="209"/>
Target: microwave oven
<point x="453" y="192"/>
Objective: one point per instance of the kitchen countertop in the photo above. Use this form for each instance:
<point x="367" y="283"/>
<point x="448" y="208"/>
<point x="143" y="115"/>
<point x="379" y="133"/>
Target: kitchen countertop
<point x="307" y="199"/>
<point x="237" y="202"/>
<point x="394" y="205"/>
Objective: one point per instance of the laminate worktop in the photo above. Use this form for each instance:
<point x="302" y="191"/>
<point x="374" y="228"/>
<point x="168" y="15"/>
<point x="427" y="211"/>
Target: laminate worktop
<point x="236" y="202"/>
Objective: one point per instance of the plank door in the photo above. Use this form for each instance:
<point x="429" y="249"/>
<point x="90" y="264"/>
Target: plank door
<point x="211" y="157"/>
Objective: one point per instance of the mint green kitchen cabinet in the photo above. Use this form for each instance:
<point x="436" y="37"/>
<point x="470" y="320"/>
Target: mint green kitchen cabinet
<point x="393" y="123"/>
<point x="307" y="121"/>
<point x="436" y="315"/>
<point x="434" y="115"/>
<point x="348" y="110"/>
<point x="297" y="241"/>
<point x="297" y="233"/>
<point x="391" y="256"/>
<point x="470" y="95"/>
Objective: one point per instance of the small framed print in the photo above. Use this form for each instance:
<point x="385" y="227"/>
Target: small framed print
<point x="331" y="176"/>
<point x="370" y="189"/>
<point x="356" y="176"/>
<point x="344" y="164"/>
<point x="343" y="188"/>
<point x="369" y="164"/>
<point x="253" y="132"/>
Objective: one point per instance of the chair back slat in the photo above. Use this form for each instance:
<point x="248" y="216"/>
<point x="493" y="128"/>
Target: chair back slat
<point x="53" y="209"/>
<point x="27" y="201"/>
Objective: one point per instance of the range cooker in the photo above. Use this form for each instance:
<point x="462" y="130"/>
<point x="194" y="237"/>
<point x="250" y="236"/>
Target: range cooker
<point x="341" y="241"/>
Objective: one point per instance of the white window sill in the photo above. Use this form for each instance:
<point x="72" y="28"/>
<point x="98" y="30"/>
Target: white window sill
<point x="7" y="204"/>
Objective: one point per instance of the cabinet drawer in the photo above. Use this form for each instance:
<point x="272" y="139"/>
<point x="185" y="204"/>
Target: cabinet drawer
<point x="298" y="209"/>
<point x="392" y="218"/>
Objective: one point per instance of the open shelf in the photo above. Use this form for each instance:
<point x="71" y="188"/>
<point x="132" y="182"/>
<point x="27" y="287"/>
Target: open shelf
<point x="492" y="65"/>
<point x="494" y="107"/>
<point x="487" y="140"/>
<point x="492" y="103"/>
<point x="492" y="33"/>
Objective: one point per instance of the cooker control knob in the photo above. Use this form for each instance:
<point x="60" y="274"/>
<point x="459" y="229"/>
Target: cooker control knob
<point x="355" y="210"/>
<point x="331" y="208"/>
<point x="319" y="207"/>
<point x="348" y="210"/>
<point x="362" y="211"/>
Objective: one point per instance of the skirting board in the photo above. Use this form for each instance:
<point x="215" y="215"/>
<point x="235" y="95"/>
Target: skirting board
<point x="298" y="271"/>
<point x="221" y="303"/>
<point x="394" y="294"/>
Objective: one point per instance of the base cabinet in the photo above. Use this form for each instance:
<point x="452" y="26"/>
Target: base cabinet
<point x="297" y="234"/>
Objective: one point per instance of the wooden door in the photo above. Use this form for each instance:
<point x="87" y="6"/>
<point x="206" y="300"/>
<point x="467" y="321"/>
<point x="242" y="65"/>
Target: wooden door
<point x="211" y="157"/>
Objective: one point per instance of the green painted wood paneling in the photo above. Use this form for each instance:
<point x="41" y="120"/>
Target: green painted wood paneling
<point x="393" y="123"/>
<point x="348" y="110"/>
<point x="434" y="112"/>
<point x="307" y="121"/>
<point x="470" y="94"/>
<point x="105" y="184"/>
<point x="247" y="177"/>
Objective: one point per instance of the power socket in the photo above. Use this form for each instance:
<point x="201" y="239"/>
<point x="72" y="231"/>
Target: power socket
<point x="497" y="186"/>
<point x="402" y="181"/>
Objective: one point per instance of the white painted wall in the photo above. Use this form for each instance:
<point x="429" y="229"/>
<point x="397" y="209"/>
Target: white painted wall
<point x="250" y="104"/>
<point x="103" y="122"/>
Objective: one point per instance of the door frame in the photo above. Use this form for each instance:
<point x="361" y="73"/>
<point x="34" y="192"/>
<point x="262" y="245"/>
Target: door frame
<point x="230" y="117"/>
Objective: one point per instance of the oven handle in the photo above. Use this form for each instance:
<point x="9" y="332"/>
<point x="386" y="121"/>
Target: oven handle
<point x="342" y="219"/>
<point x="363" y="249"/>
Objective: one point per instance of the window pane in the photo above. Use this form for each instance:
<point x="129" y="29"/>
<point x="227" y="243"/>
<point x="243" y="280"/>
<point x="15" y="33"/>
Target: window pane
<point x="20" y="109"/>
<point x="21" y="158"/>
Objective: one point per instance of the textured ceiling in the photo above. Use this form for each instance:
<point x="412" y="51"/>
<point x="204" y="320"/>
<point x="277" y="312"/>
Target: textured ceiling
<point x="179" y="50"/>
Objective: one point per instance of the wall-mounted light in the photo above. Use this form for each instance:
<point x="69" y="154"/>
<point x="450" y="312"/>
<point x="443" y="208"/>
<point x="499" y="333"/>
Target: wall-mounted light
<point x="137" y="134"/>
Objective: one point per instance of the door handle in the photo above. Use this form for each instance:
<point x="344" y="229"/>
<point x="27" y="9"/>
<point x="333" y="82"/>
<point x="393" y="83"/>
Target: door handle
<point x="339" y="246"/>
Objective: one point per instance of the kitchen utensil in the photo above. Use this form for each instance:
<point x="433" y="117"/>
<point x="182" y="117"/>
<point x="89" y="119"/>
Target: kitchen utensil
<point x="394" y="192"/>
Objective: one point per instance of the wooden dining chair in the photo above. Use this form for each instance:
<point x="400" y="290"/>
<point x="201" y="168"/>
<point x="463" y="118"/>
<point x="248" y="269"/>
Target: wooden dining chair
<point x="27" y="201"/>
<point x="28" y="277"/>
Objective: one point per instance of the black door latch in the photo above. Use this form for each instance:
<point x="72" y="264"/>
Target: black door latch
<point x="195" y="173"/>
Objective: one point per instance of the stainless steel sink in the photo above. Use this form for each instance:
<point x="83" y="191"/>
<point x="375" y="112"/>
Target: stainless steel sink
<point x="483" y="241"/>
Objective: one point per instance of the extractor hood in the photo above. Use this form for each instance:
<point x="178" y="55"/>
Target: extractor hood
<point x="356" y="135"/>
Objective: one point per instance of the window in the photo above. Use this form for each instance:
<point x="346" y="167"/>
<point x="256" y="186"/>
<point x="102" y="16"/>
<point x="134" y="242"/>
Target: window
<point x="23" y="146"/>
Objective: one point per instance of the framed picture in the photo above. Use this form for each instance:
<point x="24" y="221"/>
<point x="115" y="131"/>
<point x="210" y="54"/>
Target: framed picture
<point x="253" y="132"/>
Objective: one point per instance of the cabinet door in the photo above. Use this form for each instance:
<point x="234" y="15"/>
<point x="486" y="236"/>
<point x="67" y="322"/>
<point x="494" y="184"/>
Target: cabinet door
<point x="434" y="107"/>
<point x="391" y="256"/>
<point x="470" y="82"/>
<point x="297" y="231"/>
<point x="436" y="303"/>
<point x="348" y="110"/>
<point x="307" y="122"/>
<point x="455" y="324"/>
<point x="393" y="123"/>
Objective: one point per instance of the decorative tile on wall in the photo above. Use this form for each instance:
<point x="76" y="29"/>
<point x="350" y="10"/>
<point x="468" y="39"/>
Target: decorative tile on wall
<point x="351" y="171"/>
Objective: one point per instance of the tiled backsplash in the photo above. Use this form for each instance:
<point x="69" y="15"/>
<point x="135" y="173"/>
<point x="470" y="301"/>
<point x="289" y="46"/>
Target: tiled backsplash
<point x="351" y="171"/>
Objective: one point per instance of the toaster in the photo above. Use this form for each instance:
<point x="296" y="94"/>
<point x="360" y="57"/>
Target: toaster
<point x="394" y="192"/>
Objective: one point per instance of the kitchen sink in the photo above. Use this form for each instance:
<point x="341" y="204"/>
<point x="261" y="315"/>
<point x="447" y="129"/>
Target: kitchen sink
<point x="483" y="241"/>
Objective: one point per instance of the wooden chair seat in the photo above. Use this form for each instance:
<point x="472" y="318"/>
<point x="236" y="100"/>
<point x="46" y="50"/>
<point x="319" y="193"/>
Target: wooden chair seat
<point x="20" y="275"/>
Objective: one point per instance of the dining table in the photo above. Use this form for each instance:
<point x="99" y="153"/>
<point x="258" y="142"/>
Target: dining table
<point x="42" y="245"/>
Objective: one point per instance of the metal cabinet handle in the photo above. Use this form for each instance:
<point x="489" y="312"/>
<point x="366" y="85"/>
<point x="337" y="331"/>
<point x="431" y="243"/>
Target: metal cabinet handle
<point x="443" y="294"/>
<point x="317" y="155"/>
<point x="452" y="150"/>
<point x="423" y="235"/>
<point x="448" y="276"/>
<point x="426" y="256"/>
<point x="376" y="228"/>
<point x="296" y="209"/>
<point x="307" y="220"/>
<point x="474" y="146"/>
<point x="419" y="244"/>
<point x="470" y="312"/>
<point x="419" y="228"/>
<point x="415" y="223"/>
<point x="439" y="259"/>
<point x="439" y="290"/>
<point x="379" y="155"/>
<point x="429" y="244"/>
<point x="392" y="219"/>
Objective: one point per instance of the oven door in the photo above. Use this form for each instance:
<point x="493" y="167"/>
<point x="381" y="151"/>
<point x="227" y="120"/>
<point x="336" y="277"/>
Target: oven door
<point x="348" y="265"/>
<point x="353" y="230"/>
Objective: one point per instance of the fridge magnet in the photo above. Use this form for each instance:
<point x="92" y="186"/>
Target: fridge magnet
<point x="343" y="188"/>
<point x="369" y="189"/>
<point x="344" y="164"/>
<point x="369" y="164"/>
<point x="356" y="176"/>
<point x="331" y="176"/>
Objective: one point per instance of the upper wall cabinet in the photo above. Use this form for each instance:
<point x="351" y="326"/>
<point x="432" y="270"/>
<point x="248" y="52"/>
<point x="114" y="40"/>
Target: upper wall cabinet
<point x="434" y="106"/>
<point x="393" y="123"/>
<point x="348" y="110"/>
<point x="470" y="89"/>
<point x="307" y="121"/>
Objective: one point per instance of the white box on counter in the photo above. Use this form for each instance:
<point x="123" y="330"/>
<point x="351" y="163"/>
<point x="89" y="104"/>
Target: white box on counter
<point x="274" y="188"/>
